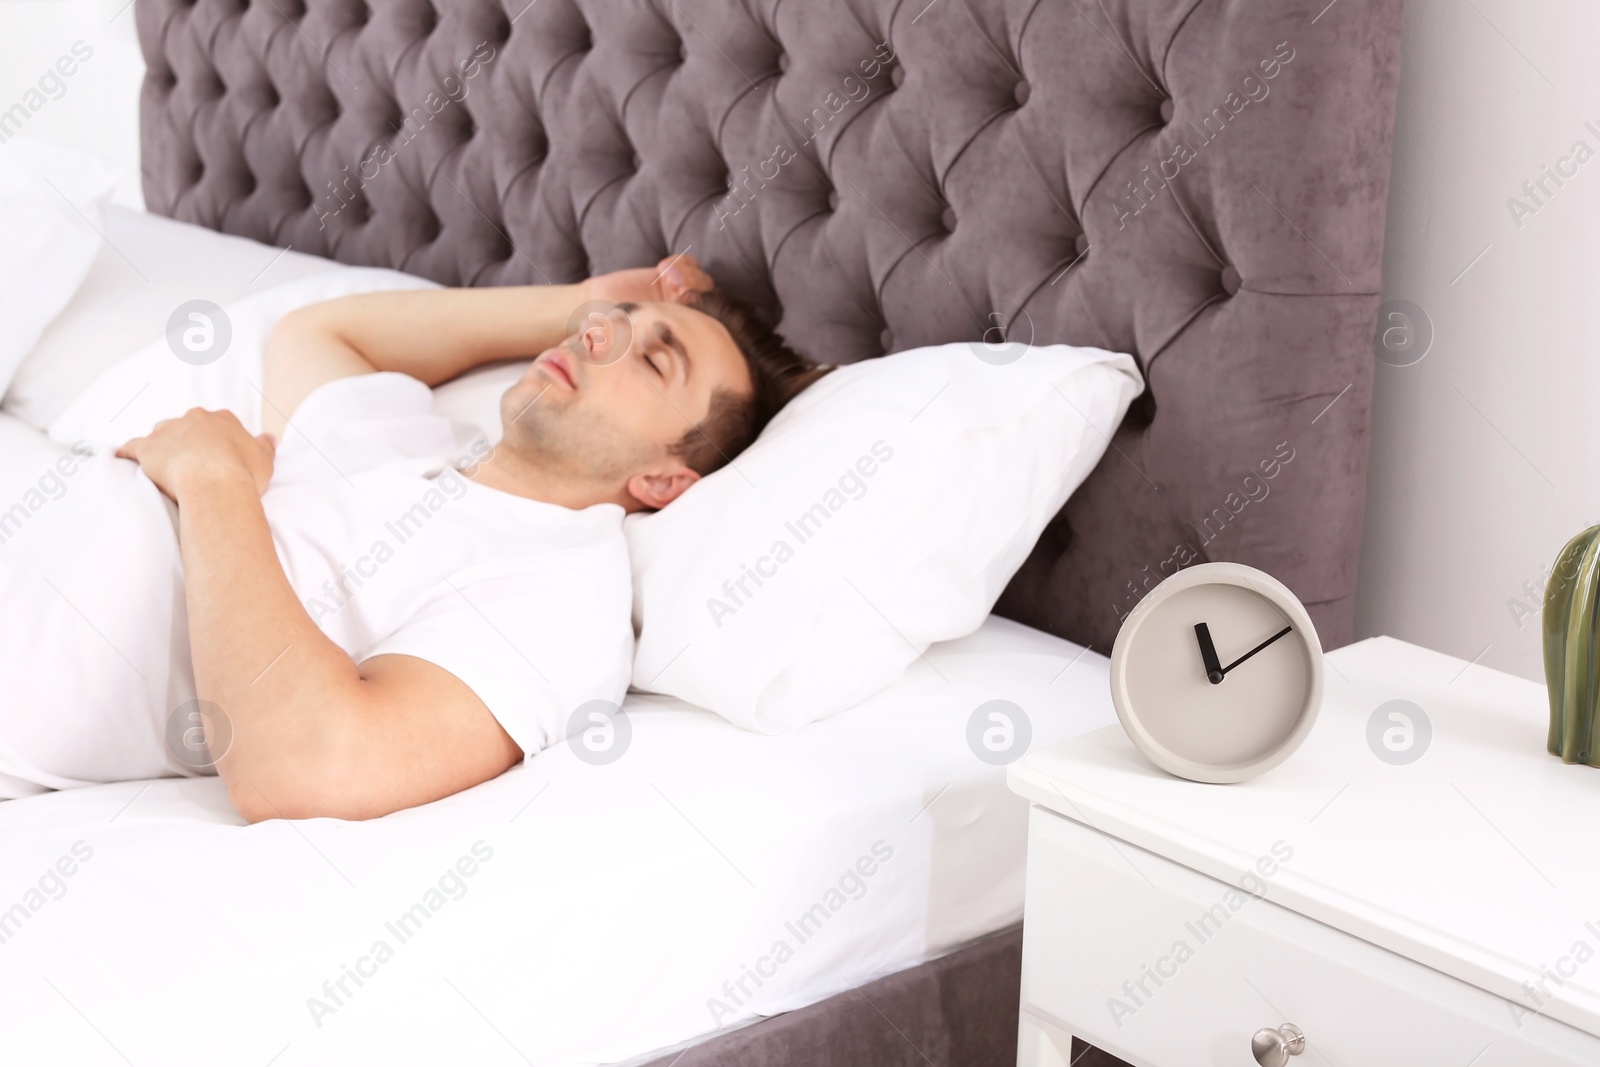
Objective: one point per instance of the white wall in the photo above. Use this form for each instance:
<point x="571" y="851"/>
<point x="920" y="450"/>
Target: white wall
<point x="1485" y="456"/>
<point x="97" y="106"/>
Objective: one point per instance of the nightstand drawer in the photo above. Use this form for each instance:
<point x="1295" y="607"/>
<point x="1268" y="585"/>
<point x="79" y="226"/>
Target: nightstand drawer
<point x="1170" y="968"/>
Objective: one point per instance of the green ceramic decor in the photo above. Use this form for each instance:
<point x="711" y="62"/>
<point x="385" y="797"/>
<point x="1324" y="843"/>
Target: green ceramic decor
<point x="1571" y="655"/>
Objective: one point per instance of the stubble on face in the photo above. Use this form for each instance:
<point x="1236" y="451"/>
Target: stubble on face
<point x="542" y="432"/>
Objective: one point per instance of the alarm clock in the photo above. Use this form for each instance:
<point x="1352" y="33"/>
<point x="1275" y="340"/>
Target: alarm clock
<point x="1217" y="673"/>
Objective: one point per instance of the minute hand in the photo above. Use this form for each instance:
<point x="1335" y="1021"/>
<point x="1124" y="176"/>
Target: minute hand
<point x="1258" y="648"/>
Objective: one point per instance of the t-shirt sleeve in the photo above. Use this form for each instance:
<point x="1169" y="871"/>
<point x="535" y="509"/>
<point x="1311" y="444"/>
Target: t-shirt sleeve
<point x="534" y="645"/>
<point x="367" y="420"/>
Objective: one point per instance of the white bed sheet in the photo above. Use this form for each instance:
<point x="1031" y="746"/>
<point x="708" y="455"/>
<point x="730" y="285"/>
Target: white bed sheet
<point x="618" y="902"/>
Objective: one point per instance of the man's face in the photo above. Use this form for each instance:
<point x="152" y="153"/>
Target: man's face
<point x="609" y="402"/>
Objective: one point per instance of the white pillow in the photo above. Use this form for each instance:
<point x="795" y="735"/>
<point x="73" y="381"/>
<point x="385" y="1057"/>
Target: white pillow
<point x="147" y="266"/>
<point x="50" y="201"/>
<point x="884" y="509"/>
<point x="474" y="397"/>
<point x="151" y="383"/>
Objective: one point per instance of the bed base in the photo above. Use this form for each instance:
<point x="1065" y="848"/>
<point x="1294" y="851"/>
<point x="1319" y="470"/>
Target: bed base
<point x="956" y="1011"/>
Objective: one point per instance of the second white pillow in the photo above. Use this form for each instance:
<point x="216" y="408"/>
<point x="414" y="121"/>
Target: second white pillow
<point x="50" y="201"/>
<point x="884" y="509"/>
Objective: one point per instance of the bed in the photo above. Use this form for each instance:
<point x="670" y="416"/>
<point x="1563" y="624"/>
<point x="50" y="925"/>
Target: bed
<point x="1201" y="184"/>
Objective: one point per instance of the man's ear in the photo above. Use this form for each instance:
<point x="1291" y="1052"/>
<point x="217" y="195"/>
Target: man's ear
<point x="657" y="489"/>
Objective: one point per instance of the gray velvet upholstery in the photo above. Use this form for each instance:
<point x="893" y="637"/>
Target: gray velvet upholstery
<point x="1120" y="173"/>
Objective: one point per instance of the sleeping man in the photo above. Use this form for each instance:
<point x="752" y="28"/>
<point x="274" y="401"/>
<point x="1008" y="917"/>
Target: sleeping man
<point x="367" y="607"/>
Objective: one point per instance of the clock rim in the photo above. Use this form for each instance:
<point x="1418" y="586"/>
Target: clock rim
<point x="1262" y="584"/>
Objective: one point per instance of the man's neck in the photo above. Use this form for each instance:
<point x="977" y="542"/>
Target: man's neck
<point x="513" y="474"/>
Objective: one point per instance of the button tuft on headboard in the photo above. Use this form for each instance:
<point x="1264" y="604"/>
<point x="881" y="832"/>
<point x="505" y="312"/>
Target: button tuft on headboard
<point x="1230" y="279"/>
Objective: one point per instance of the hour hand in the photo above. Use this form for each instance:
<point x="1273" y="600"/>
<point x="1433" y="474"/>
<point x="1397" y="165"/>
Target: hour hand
<point x="1208" y="654"/>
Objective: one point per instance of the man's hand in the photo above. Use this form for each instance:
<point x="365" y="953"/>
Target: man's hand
<point x="675" y="280"/>
<point x="201" y="444"/>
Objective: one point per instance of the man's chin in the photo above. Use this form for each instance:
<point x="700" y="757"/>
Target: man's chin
<point x="516" y="402"/>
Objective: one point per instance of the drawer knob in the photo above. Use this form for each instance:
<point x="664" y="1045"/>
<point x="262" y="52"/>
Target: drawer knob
<point x="1272" y="1048"/>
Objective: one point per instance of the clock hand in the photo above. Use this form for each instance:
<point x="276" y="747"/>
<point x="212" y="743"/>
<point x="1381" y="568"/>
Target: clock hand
<point x="1258" y="648"/>
<point x="1208" y="653"/>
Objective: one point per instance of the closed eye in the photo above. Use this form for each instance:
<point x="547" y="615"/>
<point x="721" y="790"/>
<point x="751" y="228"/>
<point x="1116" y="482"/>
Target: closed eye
<point x="669" y="340"/>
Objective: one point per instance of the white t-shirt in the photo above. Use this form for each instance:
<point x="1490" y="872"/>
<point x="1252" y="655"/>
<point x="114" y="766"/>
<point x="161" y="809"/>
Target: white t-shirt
<point x="393" y="550"/>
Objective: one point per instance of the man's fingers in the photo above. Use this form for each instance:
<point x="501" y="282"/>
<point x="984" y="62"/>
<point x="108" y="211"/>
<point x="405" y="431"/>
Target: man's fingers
<point x="681" y="278"/>
<point x="673" y="282"/>
<point x="693" y="277"/>
<point x="697" y="277"/>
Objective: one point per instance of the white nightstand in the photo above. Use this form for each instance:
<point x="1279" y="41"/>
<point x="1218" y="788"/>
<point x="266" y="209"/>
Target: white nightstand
<point x="1443" y="912"/>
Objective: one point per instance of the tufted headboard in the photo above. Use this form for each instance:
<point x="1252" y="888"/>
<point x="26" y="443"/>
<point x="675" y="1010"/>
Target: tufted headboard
<point x="1201" y="183"/>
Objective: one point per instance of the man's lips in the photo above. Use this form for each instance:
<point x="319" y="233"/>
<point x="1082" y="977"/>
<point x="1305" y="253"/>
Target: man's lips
<point x="557" y="367"/>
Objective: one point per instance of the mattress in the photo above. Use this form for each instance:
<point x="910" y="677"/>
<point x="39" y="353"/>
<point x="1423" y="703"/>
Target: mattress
<point x="563" y="913"/>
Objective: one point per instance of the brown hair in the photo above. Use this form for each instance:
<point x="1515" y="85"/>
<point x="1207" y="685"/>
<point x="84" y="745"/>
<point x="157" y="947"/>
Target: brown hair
<point x="777" y="373"/>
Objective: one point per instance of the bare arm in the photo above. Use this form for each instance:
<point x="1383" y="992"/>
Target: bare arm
<point x="432" y="335"/>
<point x="304" y="730"/>
<point x="435" y="335"/>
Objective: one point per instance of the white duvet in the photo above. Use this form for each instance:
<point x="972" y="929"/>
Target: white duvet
<point x="93" y="633"/>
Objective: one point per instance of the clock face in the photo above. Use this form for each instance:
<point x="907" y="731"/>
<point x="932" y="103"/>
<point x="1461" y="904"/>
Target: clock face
<point x="1217" y="674"/>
